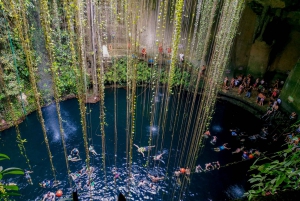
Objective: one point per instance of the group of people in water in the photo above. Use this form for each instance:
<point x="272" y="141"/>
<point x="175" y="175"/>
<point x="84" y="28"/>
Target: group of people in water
<point x="73" y="156"/>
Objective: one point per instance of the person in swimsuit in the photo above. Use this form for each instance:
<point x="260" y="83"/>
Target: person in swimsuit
<point x="220" y="148"/>
<point x="142" y="183"/>
<point x="92" y="150"/>
<point x="214" y="140"/>
<point x="199" y="169"/>
<point x="206" y="134"/>
<point x="217" y="165"/>
<point x="49" y="183"/>
<point x="155" y="178"/>
<point x="209" y="167"/>
<point x="187" y="171"/>
<point x="73" y="159"/>
<point x="75" y="152"/>
<point x="177" y="173"/>
<point x="49" y="197"/>
<point x="143" y="149"/>
<point x="159" y="156"/>
<point x="28" y="177"/>
<point x="238" y="150"/>
<point x="90" y="184"/>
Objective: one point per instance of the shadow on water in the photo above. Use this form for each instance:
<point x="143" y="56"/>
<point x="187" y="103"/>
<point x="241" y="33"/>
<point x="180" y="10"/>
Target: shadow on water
<point x="224" y="184"/>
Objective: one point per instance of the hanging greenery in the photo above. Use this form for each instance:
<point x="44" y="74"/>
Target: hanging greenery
<point x="45" y="18"/>
<point x="22" y="30"/>
<point x="175" y="42"/>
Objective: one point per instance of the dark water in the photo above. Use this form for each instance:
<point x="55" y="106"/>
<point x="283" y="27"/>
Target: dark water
<point x="224" y="184"/>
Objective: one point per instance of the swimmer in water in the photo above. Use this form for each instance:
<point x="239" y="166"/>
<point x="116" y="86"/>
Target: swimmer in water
<point x="206" y="134"/>
<point x="155" y="178"/>
<point x="159" y="157"/>
<point x="199" y="169"/>
<point x="46" y="184"/>
<point x="92" y="150"/>
<point x="76" y="175"/>
<point x="75" y="152"/>
<point x="49" y="197"/>
<point x="216" y="165"/>
<point x="70" y="158"/>
<point x="153" y="187"/>
<point x="115" y="173"/>
<point x="187" y="171"/>
<point x="214" y="140"/>
<point x="220" y="148"/>
<point x="28" y="177"/>
<point x="143" y="149"/>
<point x="177" y="173"/>
<point x="209" y="167"/>
<point x="142" y="183"/>
<point x="90" y="184"/>
<point x="238" y="150"/>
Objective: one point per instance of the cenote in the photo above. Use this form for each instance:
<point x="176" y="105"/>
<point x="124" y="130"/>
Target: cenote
<point x="184" y="100"/>
<point x="224" y="184"/>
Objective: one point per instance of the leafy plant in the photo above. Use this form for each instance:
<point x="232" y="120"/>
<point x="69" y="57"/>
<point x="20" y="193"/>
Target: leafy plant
<point x="281" y="174"/>
<point x="7" y="190"/>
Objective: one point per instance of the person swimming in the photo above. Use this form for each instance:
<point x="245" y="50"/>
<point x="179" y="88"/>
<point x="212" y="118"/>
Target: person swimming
<point x="238" y="150"/>
<point x="142" y="183"/>
<point x="28" y="177"/>
<point x="209" y="167"/>
<point x="159" y="156"/>
<point x="199" y="169"/>
<point x="49" y="183"/>
<point x="49" y="196"/>
<point x="76" y="175"/>
<point x="92" y="150"/>
<point x="187" y="171"/>
<point x="143" y="149"/>
<point x="155" y="178"/>
<point x="214" y="140"/>
<point x="73" y="159"/>
<point x="75" y="152"/>
<point x="177" y="173"/>
<point x="216" y="165"/>
<point x="90" y="184"/>
<point x="221" y="148"/>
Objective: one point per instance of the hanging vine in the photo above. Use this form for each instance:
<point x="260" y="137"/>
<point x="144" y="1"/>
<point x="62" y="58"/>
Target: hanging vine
<point x="45" y="18"/>
<point x="175" y="43"/>
<point x="21" y="29"/>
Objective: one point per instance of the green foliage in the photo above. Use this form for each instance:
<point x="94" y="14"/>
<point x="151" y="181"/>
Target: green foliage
<point x="118" y="73"/>
<point x="10" y="189"/>
<point x="278" y="175"/>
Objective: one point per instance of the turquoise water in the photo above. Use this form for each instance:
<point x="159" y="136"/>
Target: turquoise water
<point x="224" y="184"/>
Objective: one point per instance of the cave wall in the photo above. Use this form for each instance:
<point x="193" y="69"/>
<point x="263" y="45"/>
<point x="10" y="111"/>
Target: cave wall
<point x="244" y="40"/>
<point x="286" y="59"/>
<point x="292" y="89"/>
<point x="268" y="39"/>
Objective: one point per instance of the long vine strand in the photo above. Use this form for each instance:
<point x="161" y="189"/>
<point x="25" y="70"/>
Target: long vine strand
<point x="101" y="28"/>
<point x="81" y="75"/>
<point x="19" y="140"/>
<point x="22" y="30"/>
<point x="175" y="43"/>
<point x="231" y="24"/>
<point x="69" y="10"/>
<point x="45" y="18"/>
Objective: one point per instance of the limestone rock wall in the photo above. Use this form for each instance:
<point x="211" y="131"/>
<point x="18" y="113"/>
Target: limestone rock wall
<point x="268" y="39"/>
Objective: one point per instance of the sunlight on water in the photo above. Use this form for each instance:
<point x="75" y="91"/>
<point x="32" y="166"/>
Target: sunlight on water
<point x="217" y="128"/>
<point x="235" y="191"/>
